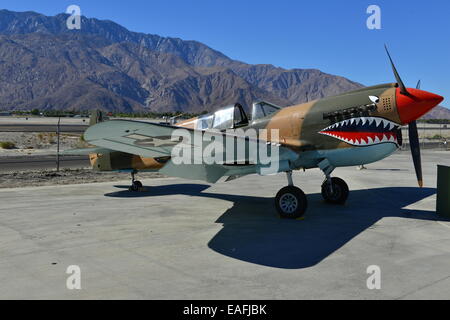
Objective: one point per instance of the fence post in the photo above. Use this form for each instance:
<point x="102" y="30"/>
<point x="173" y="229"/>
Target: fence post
<point x="57" y="150"/>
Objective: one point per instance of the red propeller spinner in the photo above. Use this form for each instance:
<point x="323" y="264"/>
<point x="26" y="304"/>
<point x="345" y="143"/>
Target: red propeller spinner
<point x="415" y="103"/>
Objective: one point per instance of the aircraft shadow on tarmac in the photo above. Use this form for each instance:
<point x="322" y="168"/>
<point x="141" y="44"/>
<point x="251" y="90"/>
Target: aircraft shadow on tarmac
<point x="252" y="231"/>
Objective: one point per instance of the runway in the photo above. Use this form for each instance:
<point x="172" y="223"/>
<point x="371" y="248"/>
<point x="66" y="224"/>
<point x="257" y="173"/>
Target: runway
<point x="189" y="240"/>
<point x="44" y="162"/>
<point x="65" y="128"/>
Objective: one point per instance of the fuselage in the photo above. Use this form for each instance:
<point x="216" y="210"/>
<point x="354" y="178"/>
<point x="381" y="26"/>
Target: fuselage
<point x="353" y="128"/>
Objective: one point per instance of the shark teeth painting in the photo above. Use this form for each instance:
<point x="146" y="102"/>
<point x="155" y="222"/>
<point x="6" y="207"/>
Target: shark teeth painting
<point x="364" y="131"/>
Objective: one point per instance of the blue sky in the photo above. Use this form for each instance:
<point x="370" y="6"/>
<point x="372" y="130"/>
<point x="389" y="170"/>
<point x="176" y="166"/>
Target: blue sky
<point x="329" y="35"/>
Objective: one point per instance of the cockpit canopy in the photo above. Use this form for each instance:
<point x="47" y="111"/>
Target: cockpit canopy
<point x="234" y="116"/>
<point x="262" y="109"/>
<point x="229" y="117"/>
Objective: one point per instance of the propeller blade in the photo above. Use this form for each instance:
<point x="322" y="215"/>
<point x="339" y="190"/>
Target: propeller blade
<point x="414" y="144"/>
<point x="397" y="76"/>
<point x="415" y="151"/>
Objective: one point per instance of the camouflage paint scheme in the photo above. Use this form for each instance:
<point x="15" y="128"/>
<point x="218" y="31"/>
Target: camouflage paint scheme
<point x="300" y="129"/>
<point x="123" y="161"/>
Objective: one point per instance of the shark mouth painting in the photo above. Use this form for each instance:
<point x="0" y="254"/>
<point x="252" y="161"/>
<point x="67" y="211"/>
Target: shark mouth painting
<point x="364" y="131"/>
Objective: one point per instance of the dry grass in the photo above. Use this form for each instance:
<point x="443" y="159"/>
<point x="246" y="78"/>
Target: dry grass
<point x="47" y="138"/>
<point x="42" y="140"/>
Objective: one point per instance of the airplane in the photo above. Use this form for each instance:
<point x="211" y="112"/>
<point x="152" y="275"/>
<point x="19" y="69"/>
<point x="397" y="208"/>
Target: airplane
<point x="351" y="129"/>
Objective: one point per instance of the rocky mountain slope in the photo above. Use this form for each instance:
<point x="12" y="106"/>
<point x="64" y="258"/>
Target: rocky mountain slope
<point x="46" y="66"/>
<point x="438" y="113"/>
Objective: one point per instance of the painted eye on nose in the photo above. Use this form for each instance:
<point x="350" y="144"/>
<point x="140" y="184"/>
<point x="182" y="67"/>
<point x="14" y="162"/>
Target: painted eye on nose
<point x="374" y="99"/>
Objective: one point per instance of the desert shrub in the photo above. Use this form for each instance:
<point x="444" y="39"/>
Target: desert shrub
<point x="7" y="145"/>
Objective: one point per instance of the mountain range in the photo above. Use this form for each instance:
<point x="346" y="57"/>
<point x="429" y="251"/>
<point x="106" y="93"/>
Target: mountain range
<point x="438" y="112"/>
<point x="44" y="65"/>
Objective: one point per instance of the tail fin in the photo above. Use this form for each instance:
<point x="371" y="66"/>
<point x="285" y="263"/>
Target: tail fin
<point x="97" y="156"/>
<point x="96" y="117"/>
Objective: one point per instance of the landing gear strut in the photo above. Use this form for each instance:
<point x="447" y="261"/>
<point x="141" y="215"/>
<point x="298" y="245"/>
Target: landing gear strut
<point x="290" y="201"/>
<point x="334" y="190"/>
<point x="135" y="184"/>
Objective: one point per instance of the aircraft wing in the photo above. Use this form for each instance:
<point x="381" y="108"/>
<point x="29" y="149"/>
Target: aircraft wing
<point x="85" y="151"/>
<point x="141" y="138"/>
<point x="155" y="140"/>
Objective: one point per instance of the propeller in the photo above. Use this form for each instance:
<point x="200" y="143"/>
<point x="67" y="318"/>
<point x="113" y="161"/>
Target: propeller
<point x="412" y="126"/>
<point x="397" y="76"/>
<point x="414" y="145"/>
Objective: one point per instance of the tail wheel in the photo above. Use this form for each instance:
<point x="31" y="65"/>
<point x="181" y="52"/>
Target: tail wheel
<point x="337" y="192"/>
<point x="136" y="186"/>
<point x="291" y="202"/>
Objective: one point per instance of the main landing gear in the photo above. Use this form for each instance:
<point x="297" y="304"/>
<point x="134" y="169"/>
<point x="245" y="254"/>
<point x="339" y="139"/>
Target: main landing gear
<point x="135" y="184"/>
<point x="291" y="202"/>
<point x="335" y="190"/>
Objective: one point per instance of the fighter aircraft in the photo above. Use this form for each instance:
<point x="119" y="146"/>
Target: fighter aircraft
<point x="350" y="129"/>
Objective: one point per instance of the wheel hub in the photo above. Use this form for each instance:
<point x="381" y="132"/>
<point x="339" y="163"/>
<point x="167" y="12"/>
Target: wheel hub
<point x="288" y="203"/>
<point x="334" y="191"/>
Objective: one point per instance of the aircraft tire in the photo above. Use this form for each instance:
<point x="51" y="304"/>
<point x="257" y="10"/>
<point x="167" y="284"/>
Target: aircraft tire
<point x="291" y="202"/>
<point x="340" y="191"/>
<point x="136" y="186"/>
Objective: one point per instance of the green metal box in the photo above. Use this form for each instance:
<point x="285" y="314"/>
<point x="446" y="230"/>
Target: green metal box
<point x="443" y="191"/>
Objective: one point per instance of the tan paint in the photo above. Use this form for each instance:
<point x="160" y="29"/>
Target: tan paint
<point x="289" y="122"/>
<point x="189" y="123"/>
<point x="101" y="162"/>
<point x="387" y="107"/>
<point x="93" y="158"/>
<point x="294" y="143"/>
<point x="140" y="163"/>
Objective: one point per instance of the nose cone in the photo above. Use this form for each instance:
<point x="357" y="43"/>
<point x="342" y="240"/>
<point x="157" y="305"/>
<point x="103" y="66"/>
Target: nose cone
<point x="412" y="107"/>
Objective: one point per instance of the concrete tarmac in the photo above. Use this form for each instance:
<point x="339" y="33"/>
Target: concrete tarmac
<point x="189" y="240"/>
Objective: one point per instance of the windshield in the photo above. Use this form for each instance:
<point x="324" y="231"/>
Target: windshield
<point x="263" y="109"/>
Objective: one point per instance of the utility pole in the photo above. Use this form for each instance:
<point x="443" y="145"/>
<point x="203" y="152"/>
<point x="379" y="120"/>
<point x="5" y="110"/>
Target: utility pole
<point x="57" y="150"/>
